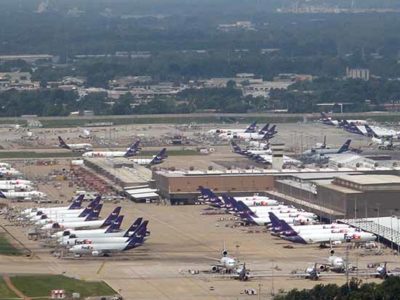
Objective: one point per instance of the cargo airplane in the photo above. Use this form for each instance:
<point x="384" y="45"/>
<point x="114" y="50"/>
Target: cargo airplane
<point x="105" y="249"/>
<point x="31" y="195"/>
<point x="86" y="224"/>
<point x="251" y="128"/>
<point x="131" y="151"/>
<point x="107" y="237"/>
<point x="156" y="159"/>
<point x="74" y="147"/>
<point x="327" y="151"/>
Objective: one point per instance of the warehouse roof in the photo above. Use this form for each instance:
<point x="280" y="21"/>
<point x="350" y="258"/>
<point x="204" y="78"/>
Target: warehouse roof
<point x="371" y="179"/>
<point x="341" y="189"/>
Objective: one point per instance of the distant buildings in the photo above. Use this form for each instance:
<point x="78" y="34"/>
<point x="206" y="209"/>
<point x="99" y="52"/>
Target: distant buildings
<point x="126" y="82"/>
<point x="357" y="73"/>
<point x="29" y="58"/>
<point x="18" y="81"/>
<point x="242" y="25"/>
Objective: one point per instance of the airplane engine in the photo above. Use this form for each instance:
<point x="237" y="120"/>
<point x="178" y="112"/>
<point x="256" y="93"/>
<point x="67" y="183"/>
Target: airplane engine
<point x="95" y="253"/>
<point x="214" y="269"/>
<point x="324" y="268"/>
<point x="336" y="242"/>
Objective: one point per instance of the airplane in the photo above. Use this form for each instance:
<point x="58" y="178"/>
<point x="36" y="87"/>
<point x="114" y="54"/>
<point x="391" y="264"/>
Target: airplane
<point x="225" y="263"/>
<point x="106" y="238"/>
<point x="254" y="136"/>
<point x="311" y="273"/>
<point x="9" y="173"/>
<point x="253" y="218"/>
<point x="72" y="237"/>
<point x="61" y="217"/>
<point x="210" y="198"/>
<point x="131" y="151"/>
<point x="87" y="224"/>
<point x="355" y="128"/>
<point x="325" y="119"/>
<point x="106" y="249"/>
<point x="4" y="186"/>
<point x="112" y="229"/>
<point x="267" y="159"/>
<point x="90" y="213"/>
<point x="251" y="128"/>
<point x="327" y="151"/>
<point x="382" y="272"/>
<point x="335" y="263"/>
<point x="259" y="145"/>
<point x="330" y="236"/>
<point x="384" y="143"/>
<point x="50" y="217"/>
<point x="282" y="211"/>
<point x="290" y="214"/>
<point x="157" y="159"/>
<point x="235" y="134"/>
<point x="380" y="132"/>
<point x="74" y="147"/>
<point x="75" y="204"/>
<point x="281" y="228"/>
<point x="74" y="209"/>
<point x="86" y="134"/>
<point x="22" y="195"/>
<point x="249" y="152"/>
<point x="16" y="182"/>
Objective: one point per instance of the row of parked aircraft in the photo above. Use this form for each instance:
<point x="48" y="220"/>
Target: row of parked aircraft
<point x="380" y="136"/>
<point x="263" y="155"/>
<point x="82" y="231"/>
<point x="130" y="152"/>
<point x="251" y="133"/>
<point x="291" y="224"/>
<point x="6" y="171"/>
<point x="14" y="188"/>
<point x="294" y="225"/>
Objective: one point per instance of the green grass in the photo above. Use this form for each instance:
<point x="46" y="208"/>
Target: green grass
<point x="6" y="248"/>
<point x="60" y="123"/>
<point x="33" y="154"/>
<point x="200" y="118"/>
<point x="5" y="292"/>
<point x="41" y="285"/>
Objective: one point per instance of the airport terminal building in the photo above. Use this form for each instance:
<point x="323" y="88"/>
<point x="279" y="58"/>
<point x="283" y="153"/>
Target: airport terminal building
<point x="331" y="194"/>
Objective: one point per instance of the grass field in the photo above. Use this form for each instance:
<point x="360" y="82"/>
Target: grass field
<point x="41" y="285"/>
<point x="201" y="118"/>
<point x="6" y="248"/>
<point x="5" y="292"/>
<point x="184" y="119"/>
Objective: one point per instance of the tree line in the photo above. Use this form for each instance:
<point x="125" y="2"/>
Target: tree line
<point x="356" y="290"/>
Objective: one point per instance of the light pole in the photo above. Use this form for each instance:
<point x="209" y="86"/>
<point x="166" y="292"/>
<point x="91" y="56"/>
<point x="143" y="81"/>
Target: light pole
<point x="379" y="227"/>
<point x="391" y="230"/>
<point x="397" y="234"/>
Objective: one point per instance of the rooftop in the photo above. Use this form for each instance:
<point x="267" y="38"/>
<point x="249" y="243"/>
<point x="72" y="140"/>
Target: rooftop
<point x="371" y="179"/>
<point x="341" y="189"/>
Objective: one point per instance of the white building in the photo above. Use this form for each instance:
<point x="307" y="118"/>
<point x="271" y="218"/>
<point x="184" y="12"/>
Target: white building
<point x="357" y="73"/>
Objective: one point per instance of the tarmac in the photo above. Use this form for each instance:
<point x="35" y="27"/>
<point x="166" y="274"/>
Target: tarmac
<point x="182" y="237"/>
